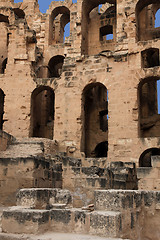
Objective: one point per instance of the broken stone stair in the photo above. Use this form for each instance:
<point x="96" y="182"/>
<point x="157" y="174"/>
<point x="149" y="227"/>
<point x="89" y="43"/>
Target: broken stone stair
<point x="55" y="214"/>
<point x="83" y="181"/>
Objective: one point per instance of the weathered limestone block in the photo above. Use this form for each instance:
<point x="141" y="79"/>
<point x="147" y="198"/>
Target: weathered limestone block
<point x="39" y="198"/>
<point x="25" y="221"/>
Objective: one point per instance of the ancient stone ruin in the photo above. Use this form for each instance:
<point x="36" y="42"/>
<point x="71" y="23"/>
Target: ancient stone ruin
<point x="79" y="120"/>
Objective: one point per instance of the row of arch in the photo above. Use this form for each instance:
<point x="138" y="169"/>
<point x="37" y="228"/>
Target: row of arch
<point x="146" y="14"/>
<point x="94" y="110"/>
<point x="94" y="114"/>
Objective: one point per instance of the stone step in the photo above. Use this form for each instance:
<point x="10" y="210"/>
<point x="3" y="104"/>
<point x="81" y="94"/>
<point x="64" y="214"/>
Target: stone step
<point x="121" y="200"/>
<point x="105" y="223"/>
<point x="53" y="236"/>
<point x="31" y="221"/>
<point x="43" y="198"/>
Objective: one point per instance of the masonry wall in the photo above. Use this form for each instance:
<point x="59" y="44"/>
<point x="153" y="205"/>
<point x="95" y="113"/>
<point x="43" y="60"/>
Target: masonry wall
<point x="116" y="64"/>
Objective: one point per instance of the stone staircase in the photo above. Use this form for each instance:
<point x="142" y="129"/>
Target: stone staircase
<point x="42" y="211"/>
<point x="83" y="181"/>
<point x="117" y="214"/>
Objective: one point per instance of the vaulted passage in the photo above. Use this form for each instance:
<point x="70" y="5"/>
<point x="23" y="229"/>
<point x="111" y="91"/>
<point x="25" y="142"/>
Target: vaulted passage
<point x="55" y="66"/>
<point x="1" y="108"/>
<point x="42" y="112"/>
<point x="59" y="18"/>
<point x="95" y="125"/>
<point x="148" y="108"/>
<point x="145" y="158"/>
<point x="147" y="13"/>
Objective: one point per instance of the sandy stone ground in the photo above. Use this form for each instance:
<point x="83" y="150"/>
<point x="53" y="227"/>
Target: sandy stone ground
<point x="55" y="236"/>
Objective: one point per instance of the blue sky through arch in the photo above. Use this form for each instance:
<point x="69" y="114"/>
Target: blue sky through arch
<point x="43" y="4"/>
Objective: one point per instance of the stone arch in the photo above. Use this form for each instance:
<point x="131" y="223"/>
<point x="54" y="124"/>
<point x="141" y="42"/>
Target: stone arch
<point x="149" y="119"/>
<point x="2" y="95"/>
<point x="19" y="13"/>
<point x="4" y="40"/>
<point x="150" y="58"/>
<point x="59" y="17"/>
<point x="95" y="118"/>
<point x="42" y="112"/>
<point x="7" y="15"/>
<point x="55" y="66"/>
<point x="101" y="149"/>
<point x="145" y="158"/>
<point x="102" y="26"/>
<point x="145" y="20"/>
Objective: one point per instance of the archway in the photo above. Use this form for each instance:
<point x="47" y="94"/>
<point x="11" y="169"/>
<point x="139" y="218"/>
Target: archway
<point x="1" y="108"/>
<point x="42" y="112"/>
<point x="4" y="41"/>
<point x="55" y="66"/>
<point x="95" y="120"/>
<point x="60" y="17"/>
<point x="149" y="117"/>
<point x="105" y="23"/>
<point x="145" y="16"/>
<point x="145" y="158"/>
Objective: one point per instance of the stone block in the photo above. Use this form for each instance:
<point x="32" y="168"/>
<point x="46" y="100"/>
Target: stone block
<point x="104" y="223"/>
<point x="25" y="221"/>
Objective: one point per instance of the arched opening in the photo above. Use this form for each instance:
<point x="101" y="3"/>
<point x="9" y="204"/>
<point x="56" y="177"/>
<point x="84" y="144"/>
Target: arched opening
<point x="1" y="108"/>
<point x="157" y="19"/>
<point x="148" y="107"/>
<point x="4" y="64"/>
<point x="100" y="15"/>
<point x="19" y="13"/>
<point x="145" y="158"/>
<point x="55" y="66"/>
<point x="95" y="120"/>
<point x="4" y="18"/>
<point x="4" y="42"/>
<point x="101" y="150"/>
<point x="146" y="17"/>
<point x="42" y="112"/>
<point x="60" y="17"/>
<point x="150" y="58"/>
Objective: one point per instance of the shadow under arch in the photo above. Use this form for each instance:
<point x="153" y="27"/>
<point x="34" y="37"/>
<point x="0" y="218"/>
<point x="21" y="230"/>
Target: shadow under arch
<point x="149" y="118"/>
<point x="94" y="117"/>
<point x="2" y="95"/>
<point x="55" y="66"/>
<point x="42" y="112"/>
<point x="145" y="157"/>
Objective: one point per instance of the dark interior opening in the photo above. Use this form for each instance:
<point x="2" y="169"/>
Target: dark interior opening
<point x="150" y="58"/>
<point x="4" y="18"/>
<point x="101" y="150"/>
<point x="43" y="112"/>
<point x="145" y="158"/>
<point x="19" y="13"/>
<point x="148" y="108"/>
<point x="1" y="108"/>
<point x="105" y="31"/>
<point x="4" y="64"/>
<point x="95" y="125"/>
<point x="55" y="66"/>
